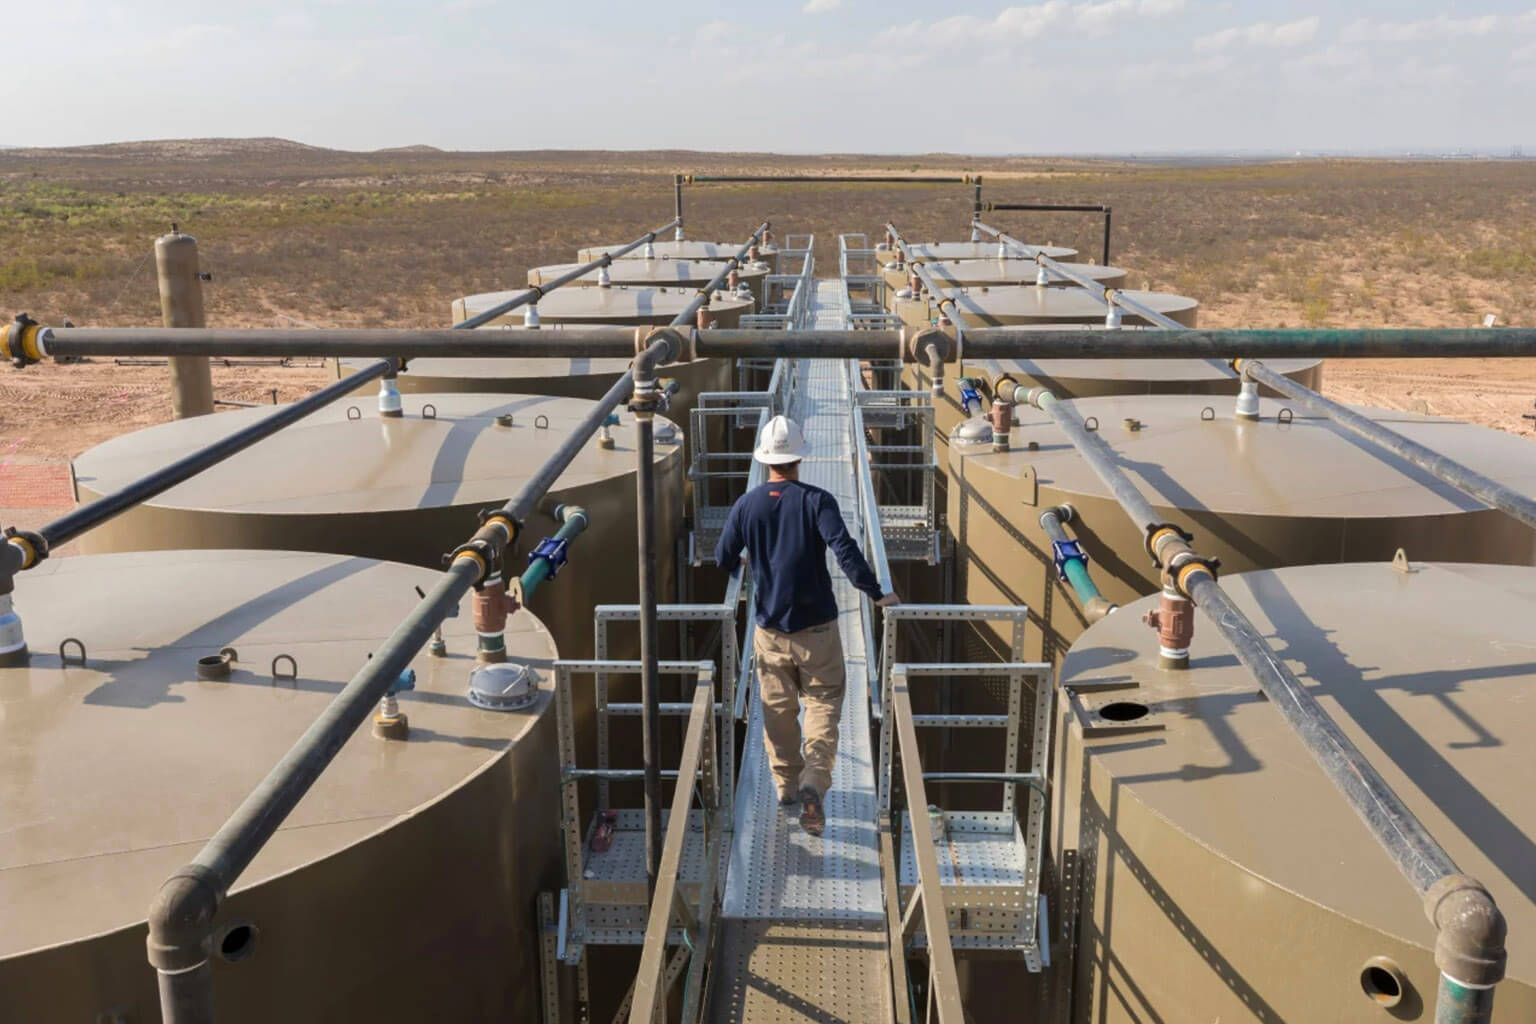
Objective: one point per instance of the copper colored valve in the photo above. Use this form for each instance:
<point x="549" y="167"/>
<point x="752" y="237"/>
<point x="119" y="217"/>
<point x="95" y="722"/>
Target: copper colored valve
<point x="492" y="606"/>
<point x="752" y="255"/>
<point x="1002" y="423"/>
<point x="1174" y="620"/>
<point x="916" y="284"/>
<point x="732" y="279"/>
<point x="703" y="321"/>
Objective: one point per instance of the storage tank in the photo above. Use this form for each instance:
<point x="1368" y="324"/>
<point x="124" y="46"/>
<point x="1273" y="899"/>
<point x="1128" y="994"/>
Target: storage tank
<point x="615" y="305"/>
<point x="936" y="251"/>
<point x="996" y="273"/>
<point x="685" y="250"/>
<point x="655" y="273"/>
<point x="349" y="481"/>
<point x="1278" y="491"/>
<point x="1016" y="306"/>
<point x="408" y="867"/>
<point x="1223" y="876"/>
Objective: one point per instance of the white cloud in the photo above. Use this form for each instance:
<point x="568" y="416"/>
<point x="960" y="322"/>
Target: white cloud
<point x="820" y="6"/>
<point x="1438" y="28"/>
<point x="1027" y="22"/>
<point x="1263" y="33"/>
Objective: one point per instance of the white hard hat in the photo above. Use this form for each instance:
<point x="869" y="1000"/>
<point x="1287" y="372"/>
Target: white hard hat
<point x="780" y="442"/>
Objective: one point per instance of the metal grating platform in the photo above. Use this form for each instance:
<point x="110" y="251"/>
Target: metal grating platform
<point x="804" y="919"/>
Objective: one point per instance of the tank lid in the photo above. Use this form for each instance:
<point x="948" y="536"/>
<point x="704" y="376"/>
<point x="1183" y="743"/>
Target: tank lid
<point x="962" y="273"/>
<point x="1429" y="672"/>
<point x="1151" y="371"/>
<point x="968" y="251"/>
<point x="116" y="771"/>
<point x="684" y="250"/>
<point x="650" y="305"/>
<point x="679" y="272"/>
<point x="1225" y="466"/>
<point x="991" y="306"/>
<point x="447" y="449"/>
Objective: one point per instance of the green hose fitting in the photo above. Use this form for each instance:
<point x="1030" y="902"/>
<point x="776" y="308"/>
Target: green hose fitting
<point x="548" y="557"/>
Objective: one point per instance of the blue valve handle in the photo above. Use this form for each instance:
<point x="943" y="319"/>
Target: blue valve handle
<point x="969" y="394"/>
<point x="404" y="681"/>
<point x="552" y="550"/>
<point x="1064" y="551"/>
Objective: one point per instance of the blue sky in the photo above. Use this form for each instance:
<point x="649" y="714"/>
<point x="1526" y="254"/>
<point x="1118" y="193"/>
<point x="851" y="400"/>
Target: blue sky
<point x="1054" y="76"/>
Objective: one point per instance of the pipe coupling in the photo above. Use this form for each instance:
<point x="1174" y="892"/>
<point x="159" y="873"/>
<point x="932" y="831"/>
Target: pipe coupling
<point x="27" y="548"/>
<point x="1185" y="565"/>
<point x="1035" y="396"/>
<point x="1159" y="534"/>
<point x="1006" y="387"/>
<point x="181" y="919"/>
<point x="1469" y="945"/>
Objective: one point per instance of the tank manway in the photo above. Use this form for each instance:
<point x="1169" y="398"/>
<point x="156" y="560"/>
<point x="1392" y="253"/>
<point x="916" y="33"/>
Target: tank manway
<point x="162" y="687"/>
<point x="1214" y="835"/>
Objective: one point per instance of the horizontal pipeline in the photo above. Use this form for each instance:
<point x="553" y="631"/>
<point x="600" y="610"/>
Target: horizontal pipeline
<point x="620" y="343"/>
<point x="830" y="179"/>
<point x="1045" y="207"/>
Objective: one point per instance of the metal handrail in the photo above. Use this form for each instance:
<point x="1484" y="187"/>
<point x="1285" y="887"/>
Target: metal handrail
<point x="944" y="1002"/>
<point x="650" y="992"/>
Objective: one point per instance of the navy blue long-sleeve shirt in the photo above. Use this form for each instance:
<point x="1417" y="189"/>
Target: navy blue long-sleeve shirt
<point x="786" y="527"/>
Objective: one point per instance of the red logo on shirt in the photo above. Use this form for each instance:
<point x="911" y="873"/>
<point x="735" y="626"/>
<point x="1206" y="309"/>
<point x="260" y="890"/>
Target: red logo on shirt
<point x="774" y="494"/>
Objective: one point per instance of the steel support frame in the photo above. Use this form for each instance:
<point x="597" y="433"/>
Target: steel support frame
<point x="575" y="933"/>
<point x="697" y="769"/>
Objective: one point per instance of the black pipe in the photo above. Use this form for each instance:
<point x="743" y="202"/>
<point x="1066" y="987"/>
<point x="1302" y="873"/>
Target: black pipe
<point x="181" y="918"/>
<point x="677" y="219"/>
<point x="644" y="404"/>
<point x="1054" y="208"/>
<point x="702" y="296"/>
<point x="981" y="343"/>
<point x="86" y="517"/>
<point x="1462" y="477"/>
<point x="537" y="292"/>
<point x="828" y="179"/>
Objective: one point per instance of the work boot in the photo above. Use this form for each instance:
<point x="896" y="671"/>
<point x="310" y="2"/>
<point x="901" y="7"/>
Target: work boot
<point x="788" y="798"/>
<point x="812" y="818"/>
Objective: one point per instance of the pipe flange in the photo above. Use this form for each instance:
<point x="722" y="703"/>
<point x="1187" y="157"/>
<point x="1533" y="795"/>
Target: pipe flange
<point x="677" y="346"/>
<point x="20" y="341"/>
<point x="1469" y="946"/>
<point x="1155" y="534"/>
<point x="918" y="344"/>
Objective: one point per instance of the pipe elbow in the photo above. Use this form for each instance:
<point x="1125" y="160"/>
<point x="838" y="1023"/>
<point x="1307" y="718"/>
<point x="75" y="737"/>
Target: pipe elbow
<point x="574" y="516"/>
<point x="929" y="345"/>
<point x="1060" y="513"/>
<point x="1469" y="944"/>
<point x="1098" y="608"/>
<point x="181" y="920"/>
<point x="648" y="357"/>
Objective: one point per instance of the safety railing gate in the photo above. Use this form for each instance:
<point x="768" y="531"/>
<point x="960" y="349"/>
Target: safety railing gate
<point x="903" y="462"/>
<point x="981" y="867"/>
<point x="604" y="902"/>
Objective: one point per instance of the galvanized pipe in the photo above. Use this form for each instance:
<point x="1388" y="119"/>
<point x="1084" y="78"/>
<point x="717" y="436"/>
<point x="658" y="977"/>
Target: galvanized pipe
<point x="702" y="296"/>
<point x="1462" y="477"/>
<point x="647" y="398"/>
<point x="182" y="915"/>
<point x="537" y="292"/>
<point x="87" y="517"/>
<point x="619" y="342"/>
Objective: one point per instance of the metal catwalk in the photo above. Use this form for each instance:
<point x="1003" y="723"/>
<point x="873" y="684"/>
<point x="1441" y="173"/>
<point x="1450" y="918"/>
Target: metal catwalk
<point x="803" y="932"/>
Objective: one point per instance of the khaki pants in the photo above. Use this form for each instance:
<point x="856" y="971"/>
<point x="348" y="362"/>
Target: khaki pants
<point x="791" y="667"/>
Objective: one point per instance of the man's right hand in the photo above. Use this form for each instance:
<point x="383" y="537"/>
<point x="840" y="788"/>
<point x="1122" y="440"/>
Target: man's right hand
<point x="888" y="600"/>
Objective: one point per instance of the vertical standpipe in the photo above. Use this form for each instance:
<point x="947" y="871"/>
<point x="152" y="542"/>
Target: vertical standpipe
<point x="181" y="305"/>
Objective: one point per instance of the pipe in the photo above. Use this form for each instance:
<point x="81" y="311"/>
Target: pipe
<point x="829" y="179"/>
<point x="537" y="292"/>
<point x="77" y="521"/>
<point x="677" y="185"/>
<point x="544" y="565"/>
<point x="1462" y="477"/>
<point x="36" y="342"/>
<point x="646" y="400"/>
<point x="1072" y="563"/>
<point x="1053" y="208"/>
<point x="701" y="298"/>
<point x="181" y="917"/>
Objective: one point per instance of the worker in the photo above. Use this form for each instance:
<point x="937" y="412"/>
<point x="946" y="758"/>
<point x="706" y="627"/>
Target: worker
<point x="786" y="528"/>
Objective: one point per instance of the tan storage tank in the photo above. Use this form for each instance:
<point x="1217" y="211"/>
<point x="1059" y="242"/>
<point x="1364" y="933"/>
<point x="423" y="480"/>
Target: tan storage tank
<point x="1257" y="495"/>
<point x="996" y="273"/>
<point x="1223" y="876"/>
<point x="408" y="868"/>
<point x="1015" y="306"/>
<point x="937" y="251"/>
<point x="574" y="307"/>
<point x="684" y="250"/>
<point x="656" y="273"/>
<point x="407" y="489"/>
